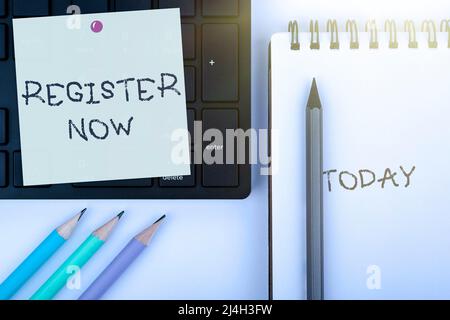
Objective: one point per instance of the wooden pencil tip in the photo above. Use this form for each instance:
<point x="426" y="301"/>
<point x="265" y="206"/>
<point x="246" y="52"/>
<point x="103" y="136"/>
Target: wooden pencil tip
<point x="145" y="236"/>
<point x="104" y="231"/>
<point x="120" y="215"/>
<point x="66" y="229"/>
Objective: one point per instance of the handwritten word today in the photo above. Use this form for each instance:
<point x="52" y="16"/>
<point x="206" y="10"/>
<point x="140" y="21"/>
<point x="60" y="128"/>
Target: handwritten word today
<point x="365" y="178"/>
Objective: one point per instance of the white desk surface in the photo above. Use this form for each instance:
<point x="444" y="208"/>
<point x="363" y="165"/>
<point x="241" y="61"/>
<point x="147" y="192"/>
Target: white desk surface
<point x="206" y="249"/>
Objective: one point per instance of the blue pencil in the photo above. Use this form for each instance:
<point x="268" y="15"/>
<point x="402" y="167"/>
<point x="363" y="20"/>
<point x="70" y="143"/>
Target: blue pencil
<point x="38" y="257"/>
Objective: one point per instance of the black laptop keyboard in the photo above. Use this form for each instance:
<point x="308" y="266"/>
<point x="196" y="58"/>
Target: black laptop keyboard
<point x="216" y="47"/>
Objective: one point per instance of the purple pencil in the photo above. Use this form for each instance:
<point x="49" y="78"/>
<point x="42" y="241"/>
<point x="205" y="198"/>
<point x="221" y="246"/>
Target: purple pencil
<point x="120" y="263"/>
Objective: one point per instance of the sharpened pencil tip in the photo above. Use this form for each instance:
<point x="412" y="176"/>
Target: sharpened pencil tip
<point x="120" y="215"/>
<point x="82" y="214"/>
<point x="314" y="99"/>
<point x="163" y="217"/>
<point x="145" y="236"/>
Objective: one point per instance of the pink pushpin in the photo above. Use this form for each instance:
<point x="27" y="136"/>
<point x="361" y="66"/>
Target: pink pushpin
<point x="96" y="26"/>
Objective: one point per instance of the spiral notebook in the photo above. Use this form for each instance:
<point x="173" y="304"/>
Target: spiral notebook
<point x="385" y="94"/>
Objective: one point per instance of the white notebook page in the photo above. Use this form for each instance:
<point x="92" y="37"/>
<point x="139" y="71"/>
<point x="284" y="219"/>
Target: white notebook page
<point x="384" y="109"/>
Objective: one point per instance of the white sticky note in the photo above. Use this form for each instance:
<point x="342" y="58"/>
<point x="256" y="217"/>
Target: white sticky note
<point x="101" y="97"/>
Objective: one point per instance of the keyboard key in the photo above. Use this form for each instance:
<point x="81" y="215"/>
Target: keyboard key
<point x="125" y="5"/>
<point x="189" y="80"/>
<point x="91" y="6"/>
<point x="179" y="181"/>
<point x="17" y="167"/>
<point x="188" y="32"/>
<point x="219" y="175"/>
<point x="187" y="7"/>
<point x="2" y="8"/>
<point x="191" y="119"/>
<point x="18" y="180"/>
<point x="59" y="7"/>
<point x="133" y="183"/>
<point x="27" y="8"/>
<point x="216" y="8"/>
<point x="3" y="126"/>
<point x="3" y="44"/>
<point x="220" y="62"/>
<point x="3" y="169"/>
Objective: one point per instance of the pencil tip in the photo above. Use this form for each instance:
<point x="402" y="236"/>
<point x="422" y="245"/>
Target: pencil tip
<point x="145" y="236"/>
<point x="163" y="217"/>
<point x="105" y="230"/>
<point x="120" y="214"/>
<point x="314" y="99"/>
<point x="66" y="229"/>
<point x="82" y="214"/>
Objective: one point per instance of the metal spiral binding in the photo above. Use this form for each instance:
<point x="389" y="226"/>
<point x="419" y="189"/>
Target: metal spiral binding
<point x="352" y="27"/>
<point x="446" y="23"/>
<point x="293" y="29"/>
<point x="333" y="29"/>
<point x="314" y="29"/>
<point x="430" y="27"/>
<point x="411" y="29"/>
<point x="371" y="26"/>
<point x="391" y="27"/>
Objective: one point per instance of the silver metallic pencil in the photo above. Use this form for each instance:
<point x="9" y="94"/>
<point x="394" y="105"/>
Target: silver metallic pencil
<point x="314" y="195"/>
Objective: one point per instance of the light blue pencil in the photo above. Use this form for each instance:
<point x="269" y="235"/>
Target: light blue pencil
<point x="38" y="257"/>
